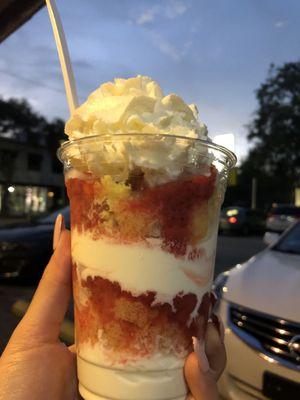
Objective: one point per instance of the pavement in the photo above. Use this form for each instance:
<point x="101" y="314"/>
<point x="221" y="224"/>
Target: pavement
<point x="230" y="251"/>
<point x="9" y="294"/>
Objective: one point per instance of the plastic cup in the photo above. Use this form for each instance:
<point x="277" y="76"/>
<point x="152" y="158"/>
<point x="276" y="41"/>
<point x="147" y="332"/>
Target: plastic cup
<point x="144" y="224"/>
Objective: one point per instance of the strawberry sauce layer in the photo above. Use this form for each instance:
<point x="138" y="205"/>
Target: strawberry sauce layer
<point x="136" y="325"/>
<point x="132" y="212"/>
<point x="175" y="203"/>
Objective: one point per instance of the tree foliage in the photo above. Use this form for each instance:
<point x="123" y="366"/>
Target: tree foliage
<point x="18" y="121"/>
<point x="274" y="132"/>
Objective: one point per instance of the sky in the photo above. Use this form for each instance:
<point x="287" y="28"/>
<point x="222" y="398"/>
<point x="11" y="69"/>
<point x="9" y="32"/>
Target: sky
<point x="212" y="53"/>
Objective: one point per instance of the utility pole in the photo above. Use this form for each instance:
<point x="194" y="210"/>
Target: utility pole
<point x="253" y="193"/>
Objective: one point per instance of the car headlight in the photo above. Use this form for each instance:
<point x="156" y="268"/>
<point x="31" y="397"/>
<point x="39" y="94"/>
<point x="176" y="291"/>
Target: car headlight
<point x="219" y="285"/>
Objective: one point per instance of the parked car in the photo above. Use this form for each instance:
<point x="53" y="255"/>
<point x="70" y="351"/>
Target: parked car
<point x="259" y="303"/>
<point x="241" y="220"/>
<point x="26" y="249"/>
<point x="280" y="217"/>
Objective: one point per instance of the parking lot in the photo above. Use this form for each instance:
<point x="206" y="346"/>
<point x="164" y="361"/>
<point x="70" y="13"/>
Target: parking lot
<point x="231" y="250"/>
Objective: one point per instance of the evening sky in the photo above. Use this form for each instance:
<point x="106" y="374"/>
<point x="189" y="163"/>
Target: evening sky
<point x="212" y="53"/>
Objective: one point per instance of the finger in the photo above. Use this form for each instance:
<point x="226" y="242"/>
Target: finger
<point x="206" y="364"/>
<point x="202" y="384"/>
<point x="215" y="350"/>
<point x="50" y="302"/>
<point x="190" y="397"/>
<point x="72" y="349"/>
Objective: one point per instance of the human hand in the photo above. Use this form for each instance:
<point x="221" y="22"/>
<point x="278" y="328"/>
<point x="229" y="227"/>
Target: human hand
<point x="35" y="365"/>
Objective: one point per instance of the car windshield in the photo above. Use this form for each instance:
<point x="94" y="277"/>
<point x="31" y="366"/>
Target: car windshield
<point x="50" y="219"/>
<point x="290" y="243"/>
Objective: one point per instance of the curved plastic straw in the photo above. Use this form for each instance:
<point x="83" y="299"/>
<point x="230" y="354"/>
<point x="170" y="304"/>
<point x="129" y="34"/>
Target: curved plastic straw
<point x="63" y="54"/>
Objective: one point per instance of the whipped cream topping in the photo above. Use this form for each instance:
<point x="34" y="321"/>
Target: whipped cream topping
<point x="134" y="105"/>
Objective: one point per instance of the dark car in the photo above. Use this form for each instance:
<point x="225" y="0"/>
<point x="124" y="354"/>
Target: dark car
<point x="25" y="249"/>
<point x="281" y="217"/>
<point x="242" y="220"/>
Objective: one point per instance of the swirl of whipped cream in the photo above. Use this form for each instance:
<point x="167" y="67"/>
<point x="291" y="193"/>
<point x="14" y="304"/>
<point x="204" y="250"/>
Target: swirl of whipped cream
<point x="134" y="105"/>
<point x="137" y="106"/>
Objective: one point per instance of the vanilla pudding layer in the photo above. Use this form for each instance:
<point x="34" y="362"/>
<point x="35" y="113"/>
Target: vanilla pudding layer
<point x="144" y="266"/>
<point x="114" y="384"/>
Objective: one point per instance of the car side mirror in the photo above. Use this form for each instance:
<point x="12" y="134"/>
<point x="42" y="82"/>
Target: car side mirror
<point x="270" y="238"/>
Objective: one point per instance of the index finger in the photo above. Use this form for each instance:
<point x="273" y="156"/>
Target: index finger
<point x="50" y="302"/>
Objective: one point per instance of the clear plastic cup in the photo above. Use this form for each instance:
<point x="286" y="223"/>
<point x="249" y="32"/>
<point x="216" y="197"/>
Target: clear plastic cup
<point x="144" y="224"/>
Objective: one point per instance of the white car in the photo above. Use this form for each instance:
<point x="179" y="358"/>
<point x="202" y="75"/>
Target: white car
<point x="260" y="307"/>
<point x="281" y="217"/>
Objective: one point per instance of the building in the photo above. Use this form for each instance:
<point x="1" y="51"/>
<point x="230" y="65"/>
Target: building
<point x="31" y="179"/>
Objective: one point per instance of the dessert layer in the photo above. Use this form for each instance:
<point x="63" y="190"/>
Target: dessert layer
<point x="97" y="354"/>
<point x="181" y="212"/>
<point x="136" y="106"/>
<point x="129" y="328"/>
<point x="118" y="328"/>
<point x="144" y="266"/>
<point x="123" y="385"/>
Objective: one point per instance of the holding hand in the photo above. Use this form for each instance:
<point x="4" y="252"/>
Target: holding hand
<point x="36" y="366"/>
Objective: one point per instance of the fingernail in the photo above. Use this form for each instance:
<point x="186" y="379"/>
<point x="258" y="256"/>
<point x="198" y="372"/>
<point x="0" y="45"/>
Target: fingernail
<point x="58" y="228"/>
<point x="218" y="323"/>
<point x="199" y="349"/>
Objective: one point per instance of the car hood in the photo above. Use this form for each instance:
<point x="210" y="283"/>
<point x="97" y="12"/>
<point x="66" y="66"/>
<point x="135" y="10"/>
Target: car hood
<point x="269" y="282"/>
<point x="25" y="233"/>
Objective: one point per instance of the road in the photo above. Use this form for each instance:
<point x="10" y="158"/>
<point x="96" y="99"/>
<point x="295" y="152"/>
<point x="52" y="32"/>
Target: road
<point x="230" y="251"/>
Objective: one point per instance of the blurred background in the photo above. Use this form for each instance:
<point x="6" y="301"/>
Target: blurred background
<point x="238" y="61"/>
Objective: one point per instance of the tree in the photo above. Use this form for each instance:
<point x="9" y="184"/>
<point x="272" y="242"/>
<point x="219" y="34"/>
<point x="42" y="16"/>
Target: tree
<point x="275" y="133"/>
<point x="55" y="135"/>
<point x="19" y="122"/>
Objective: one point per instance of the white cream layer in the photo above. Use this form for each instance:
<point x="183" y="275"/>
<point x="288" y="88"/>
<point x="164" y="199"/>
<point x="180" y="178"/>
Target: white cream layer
<point x="97" y="383"/>
<point x="139" y="268"/>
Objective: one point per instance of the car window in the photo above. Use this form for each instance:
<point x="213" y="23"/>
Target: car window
<point x="290" y="243"/>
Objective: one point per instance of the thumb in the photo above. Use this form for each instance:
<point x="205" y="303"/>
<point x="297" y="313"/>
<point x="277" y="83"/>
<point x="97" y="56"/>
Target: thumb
<point x="201" y="383"/>
<point x="46" y="312"/>
<point x="204" y="366"/>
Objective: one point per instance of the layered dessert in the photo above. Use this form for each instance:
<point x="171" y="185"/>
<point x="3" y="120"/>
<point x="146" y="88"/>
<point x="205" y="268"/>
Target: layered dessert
<point x="144" y="219"/>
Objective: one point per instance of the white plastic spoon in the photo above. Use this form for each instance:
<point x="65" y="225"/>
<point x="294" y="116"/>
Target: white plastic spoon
<point x="63" y="54"/>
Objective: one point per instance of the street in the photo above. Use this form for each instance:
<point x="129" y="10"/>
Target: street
<point x="230" y="251"/>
